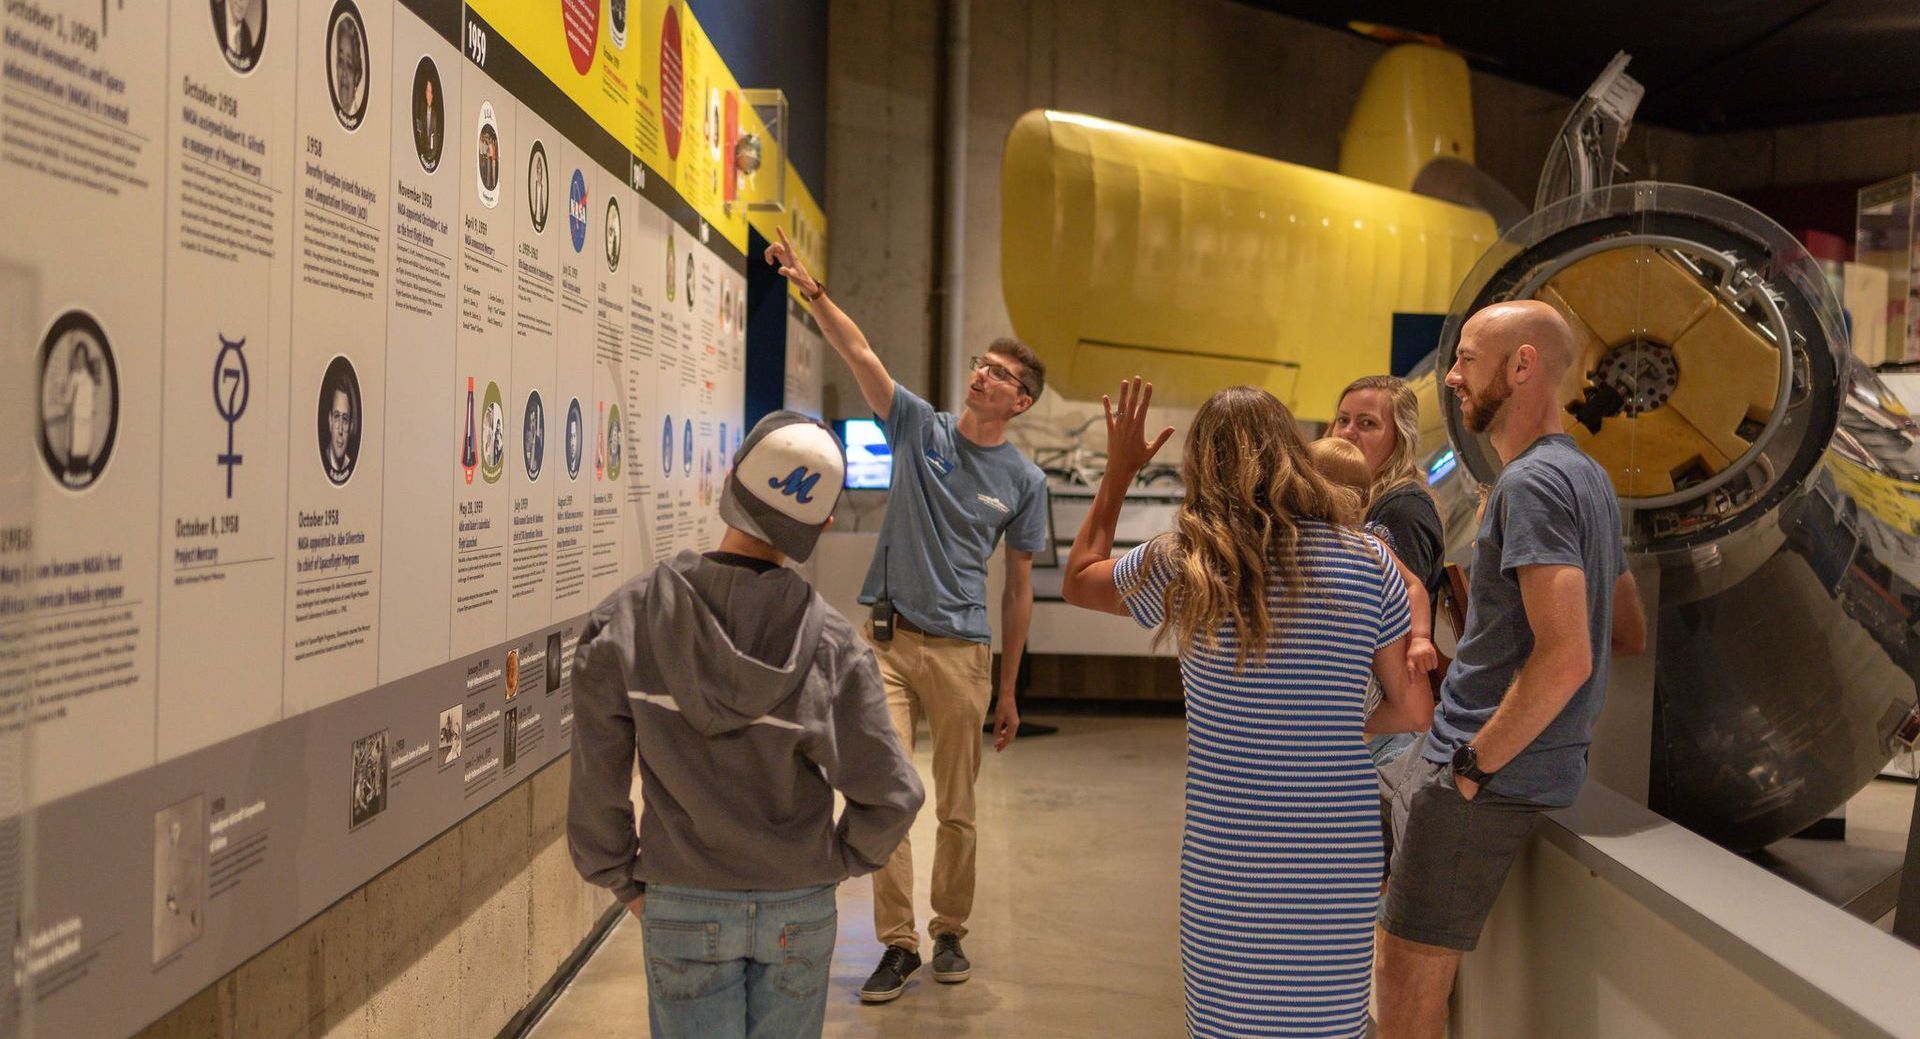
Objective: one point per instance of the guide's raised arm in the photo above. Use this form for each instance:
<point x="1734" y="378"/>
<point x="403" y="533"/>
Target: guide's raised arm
<point x="845" y="336"/>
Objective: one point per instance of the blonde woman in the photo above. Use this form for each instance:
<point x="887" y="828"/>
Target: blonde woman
<point x="1280" y="615"/>
<point x="1380" y="415"/>
<point x="1344" y="466"/>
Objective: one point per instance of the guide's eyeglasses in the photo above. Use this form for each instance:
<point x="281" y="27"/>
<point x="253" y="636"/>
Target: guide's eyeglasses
<point x="1001" y="373"/>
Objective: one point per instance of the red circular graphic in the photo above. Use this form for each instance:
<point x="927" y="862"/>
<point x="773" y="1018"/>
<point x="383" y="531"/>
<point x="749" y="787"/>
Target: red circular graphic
<point x="672" y="103"/>
<point x="580" y="24"/>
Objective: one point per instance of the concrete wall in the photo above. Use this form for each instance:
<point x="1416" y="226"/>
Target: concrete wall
<point x="1815" y="153"/>
<point x="448" y="944"/>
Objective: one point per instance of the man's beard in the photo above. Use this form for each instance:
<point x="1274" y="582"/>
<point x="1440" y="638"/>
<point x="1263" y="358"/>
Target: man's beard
<point x="1481" y="410"/>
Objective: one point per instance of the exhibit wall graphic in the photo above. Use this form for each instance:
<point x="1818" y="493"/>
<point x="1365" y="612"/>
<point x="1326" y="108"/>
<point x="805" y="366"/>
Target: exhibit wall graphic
<point x="372" y="343"/>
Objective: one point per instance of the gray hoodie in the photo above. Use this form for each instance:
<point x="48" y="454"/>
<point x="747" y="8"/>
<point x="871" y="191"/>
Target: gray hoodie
<point x="747" y="701"/>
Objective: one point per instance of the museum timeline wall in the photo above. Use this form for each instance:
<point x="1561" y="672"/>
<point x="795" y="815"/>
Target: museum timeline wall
<point x="370" y="344"/>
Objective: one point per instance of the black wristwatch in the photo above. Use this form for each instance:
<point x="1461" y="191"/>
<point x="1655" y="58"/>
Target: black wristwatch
<point x="1466" y="762"/>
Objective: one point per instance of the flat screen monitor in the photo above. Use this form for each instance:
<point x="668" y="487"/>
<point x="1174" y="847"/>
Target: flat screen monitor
<point x="869" y="459"/>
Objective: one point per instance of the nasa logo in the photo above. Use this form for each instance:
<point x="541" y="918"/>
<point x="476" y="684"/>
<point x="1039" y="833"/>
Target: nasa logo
<point x="577" y="211"/>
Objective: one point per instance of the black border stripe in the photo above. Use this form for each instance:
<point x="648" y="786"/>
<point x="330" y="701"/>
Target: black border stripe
<point x="442" y="16"/>
<point x="528" y="85"/>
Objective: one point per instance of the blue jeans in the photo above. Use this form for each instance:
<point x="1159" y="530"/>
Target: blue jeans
<point x="1385" y="749"/>
<point x="738" y="964"/>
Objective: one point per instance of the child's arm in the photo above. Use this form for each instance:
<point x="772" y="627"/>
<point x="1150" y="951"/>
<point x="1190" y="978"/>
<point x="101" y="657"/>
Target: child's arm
<point x="1402" y="708"/>
<point x="1421" y="656"/>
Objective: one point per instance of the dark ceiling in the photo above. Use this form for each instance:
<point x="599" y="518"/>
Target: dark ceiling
<point x="1708" y="65"/>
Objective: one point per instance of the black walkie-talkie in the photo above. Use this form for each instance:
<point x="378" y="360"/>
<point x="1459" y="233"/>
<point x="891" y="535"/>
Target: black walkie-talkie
<point x="883" y="606"/>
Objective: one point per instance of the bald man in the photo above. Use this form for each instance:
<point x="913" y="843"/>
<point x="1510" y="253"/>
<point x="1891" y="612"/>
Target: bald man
<point x="1551" y="597"/>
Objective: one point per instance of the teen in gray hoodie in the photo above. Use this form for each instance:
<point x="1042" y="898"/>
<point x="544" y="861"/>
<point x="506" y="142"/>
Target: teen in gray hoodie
<point x="745" y="701"/>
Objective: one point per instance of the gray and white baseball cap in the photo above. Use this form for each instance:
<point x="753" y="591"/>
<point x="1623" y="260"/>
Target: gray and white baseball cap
<point x="785" y="482"/>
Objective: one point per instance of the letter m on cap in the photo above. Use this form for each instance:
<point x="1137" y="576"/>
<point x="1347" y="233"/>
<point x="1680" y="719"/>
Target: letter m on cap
<point x="797" y="485"/>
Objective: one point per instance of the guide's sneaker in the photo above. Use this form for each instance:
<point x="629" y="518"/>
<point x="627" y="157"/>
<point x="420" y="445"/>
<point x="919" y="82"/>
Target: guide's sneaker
<point x="889" y="979"/>
<point x="950" y="966"/>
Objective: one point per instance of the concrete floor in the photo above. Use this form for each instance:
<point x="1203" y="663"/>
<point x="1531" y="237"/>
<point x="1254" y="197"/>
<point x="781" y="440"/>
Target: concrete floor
<point x="1075" y="929"/>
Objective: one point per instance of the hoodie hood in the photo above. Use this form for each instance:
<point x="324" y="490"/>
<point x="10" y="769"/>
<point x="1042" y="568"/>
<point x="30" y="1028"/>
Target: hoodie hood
<point x="726" y="673"/>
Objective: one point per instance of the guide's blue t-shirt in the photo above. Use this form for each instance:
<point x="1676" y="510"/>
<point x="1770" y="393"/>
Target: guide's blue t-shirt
<point x="951" y="501"/>
<point x="1552" y="506"/>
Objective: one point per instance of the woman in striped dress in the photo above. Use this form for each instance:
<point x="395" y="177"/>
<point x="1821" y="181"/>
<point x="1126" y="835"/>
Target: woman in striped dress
<point x="1279" y="616"/>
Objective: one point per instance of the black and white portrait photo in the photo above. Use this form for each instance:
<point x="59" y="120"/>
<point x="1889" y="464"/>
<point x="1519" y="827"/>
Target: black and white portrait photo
<point x="240" y="26"/>
<point x="487" y="157"/>
<point x="533" y="435"/>
<point x="340" y="421"/>
<point x="613" y="234"/>
<point x="576" y="438"/>
<point x="348" y="64"/>
<point x="429" y="114"/>
<point x="537" y="191"/>
<point x="79" y="400"/>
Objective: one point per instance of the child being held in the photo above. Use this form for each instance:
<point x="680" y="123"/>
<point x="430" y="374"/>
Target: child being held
<point x="1343" y="465"/>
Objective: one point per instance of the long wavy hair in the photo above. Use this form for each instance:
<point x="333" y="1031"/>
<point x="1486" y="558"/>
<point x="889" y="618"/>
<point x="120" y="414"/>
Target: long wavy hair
<point x="1400" y="466"/>
<point x="1236" y="534"/>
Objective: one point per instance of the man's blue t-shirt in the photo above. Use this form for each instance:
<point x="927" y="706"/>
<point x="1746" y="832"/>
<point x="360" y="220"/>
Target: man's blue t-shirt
<point x="951" y="501"/>
<point x="1553" y="505"/>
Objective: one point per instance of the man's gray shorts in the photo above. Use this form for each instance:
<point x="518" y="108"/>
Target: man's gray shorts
<point x="1450" y="855"/>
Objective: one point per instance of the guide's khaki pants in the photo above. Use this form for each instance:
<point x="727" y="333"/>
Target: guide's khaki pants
<point x="947" y="682"/>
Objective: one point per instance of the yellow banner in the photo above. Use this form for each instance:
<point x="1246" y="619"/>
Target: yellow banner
<point x="646" y="72"/>
<point x="590" y="49"/>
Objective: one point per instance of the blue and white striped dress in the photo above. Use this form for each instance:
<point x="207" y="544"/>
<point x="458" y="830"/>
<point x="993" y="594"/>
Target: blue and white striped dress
<point x="1280" y="864"/>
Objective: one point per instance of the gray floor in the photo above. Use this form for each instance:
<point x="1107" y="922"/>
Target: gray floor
<point x="1075" y="920"/>
<point x="1075" y="923"/>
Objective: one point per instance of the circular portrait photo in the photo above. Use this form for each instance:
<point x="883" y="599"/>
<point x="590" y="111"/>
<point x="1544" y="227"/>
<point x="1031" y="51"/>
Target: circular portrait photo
<point x="513" y="673"/>
<point x="339" y="421"/>
<point x="613" y="234"/>
<point x="348" y="64"/>
<point x="241" y="28"/>
<point x="669" y="266"/>
<point x="666" y="447"/>
<point x="537" y="193"/>
<point x="686" y="447"/>
<point x="577" y="211"/>
<point x="429" y="114"/>
<point x="689" y="283"/>
<point x="487" y="157"/>
<point x="576" y="439"/>
<point x="79" y="400"/>
<point x="493" y="435"/>
<point x="713" y="127"/>
<point x="533" y="435"/>
<point x="617" y="22"/>
<point x="614" y="441"/>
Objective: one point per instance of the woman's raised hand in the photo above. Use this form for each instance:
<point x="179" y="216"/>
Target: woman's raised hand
<point x="1127" y="449"/>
